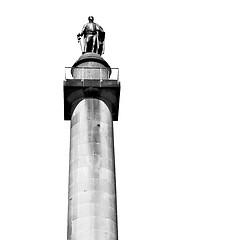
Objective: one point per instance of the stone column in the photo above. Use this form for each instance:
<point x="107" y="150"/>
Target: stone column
<point x="92" y="213"/>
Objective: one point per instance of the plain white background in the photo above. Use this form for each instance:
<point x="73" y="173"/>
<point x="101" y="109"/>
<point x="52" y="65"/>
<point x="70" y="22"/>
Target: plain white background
<point x="178" y="135"/>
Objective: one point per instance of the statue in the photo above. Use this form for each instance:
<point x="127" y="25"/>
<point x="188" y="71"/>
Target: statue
<point x="94" y="37"/>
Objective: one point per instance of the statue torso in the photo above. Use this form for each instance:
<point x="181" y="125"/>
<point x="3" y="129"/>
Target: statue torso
<point x="91" y="28"/>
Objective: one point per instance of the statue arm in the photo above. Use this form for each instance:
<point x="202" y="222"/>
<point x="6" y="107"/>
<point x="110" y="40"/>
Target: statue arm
<point x="83" y="30"/>
<point x="99" y="28"/>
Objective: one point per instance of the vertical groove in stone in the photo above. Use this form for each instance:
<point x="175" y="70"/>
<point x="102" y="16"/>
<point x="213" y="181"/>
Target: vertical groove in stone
<point x="92" y="213"/>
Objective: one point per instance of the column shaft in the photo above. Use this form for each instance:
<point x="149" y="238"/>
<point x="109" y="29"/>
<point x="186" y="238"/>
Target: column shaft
<point x="92" y="213"/>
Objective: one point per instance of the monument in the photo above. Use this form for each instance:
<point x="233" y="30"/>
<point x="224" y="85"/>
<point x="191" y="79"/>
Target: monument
<point x="91" y="102"/>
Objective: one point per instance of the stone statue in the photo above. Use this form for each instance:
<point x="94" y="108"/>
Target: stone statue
<point x="94" y="37"/>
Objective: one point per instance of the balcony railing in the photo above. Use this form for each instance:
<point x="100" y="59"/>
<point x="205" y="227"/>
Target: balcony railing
<point x="89" y="73"/>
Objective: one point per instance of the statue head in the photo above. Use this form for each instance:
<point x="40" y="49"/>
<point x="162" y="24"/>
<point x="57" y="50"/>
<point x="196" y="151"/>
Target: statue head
<point x="90" y="18"/>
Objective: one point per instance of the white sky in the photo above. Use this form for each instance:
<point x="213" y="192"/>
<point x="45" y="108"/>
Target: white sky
<point x="178" y="135"/>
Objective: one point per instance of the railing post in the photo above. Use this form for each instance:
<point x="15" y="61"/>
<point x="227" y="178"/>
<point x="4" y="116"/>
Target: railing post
<point x="100" y="71"/>
<point x="82" y="73"/>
